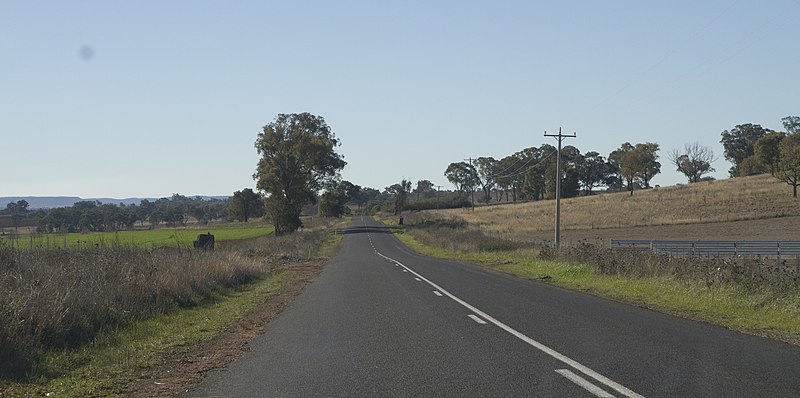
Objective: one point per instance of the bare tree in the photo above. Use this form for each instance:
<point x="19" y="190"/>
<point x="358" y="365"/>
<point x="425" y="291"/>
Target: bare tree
<point x="694" y="161"/>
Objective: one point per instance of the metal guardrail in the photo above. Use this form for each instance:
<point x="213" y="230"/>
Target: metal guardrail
<point x="753" y="248"/>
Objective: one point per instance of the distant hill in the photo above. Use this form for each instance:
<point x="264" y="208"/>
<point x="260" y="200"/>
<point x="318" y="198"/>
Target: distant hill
<point x="49" y="202"/>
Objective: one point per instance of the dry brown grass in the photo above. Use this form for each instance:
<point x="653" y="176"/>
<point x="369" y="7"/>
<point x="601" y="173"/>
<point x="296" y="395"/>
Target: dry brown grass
<point x="660" y="213"/>
<point x="55" y="298"/>
<point x="753" y="274"/>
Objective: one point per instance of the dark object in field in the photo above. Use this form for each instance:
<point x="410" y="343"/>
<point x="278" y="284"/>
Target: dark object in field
<point x="401" y="221"/>
<point x="204" y="241"/>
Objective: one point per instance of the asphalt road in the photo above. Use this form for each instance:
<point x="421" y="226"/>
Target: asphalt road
<point x="383" y="321"/>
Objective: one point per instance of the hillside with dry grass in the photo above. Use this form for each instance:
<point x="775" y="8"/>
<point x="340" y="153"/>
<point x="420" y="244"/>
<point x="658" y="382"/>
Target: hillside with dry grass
<point x="757" y="207"/>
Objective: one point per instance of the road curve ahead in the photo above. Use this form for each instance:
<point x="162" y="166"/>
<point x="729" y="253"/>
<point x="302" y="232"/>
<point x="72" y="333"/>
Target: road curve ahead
<point x="382" y="321"/>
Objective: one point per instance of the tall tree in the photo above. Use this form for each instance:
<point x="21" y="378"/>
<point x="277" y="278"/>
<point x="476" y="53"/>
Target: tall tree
<point x="625" y="160"/>
<point x="694" y="161"/>
<point x="424" y="187"/>
<point x="647" y="155"/>
<point x="463" y="175"/>
<point x="534" y="173"/>
<point x="400" y="192"/>
<point x="245" y="204"/>
<point x="592" y="170"/>
<point x="298" y="156"/>
<point x="789" y="163"/>
<point x="17" y="210"/>
<point x="791" y="124"/>
<point x="739" y="145"/>
<point x="333" y="202"/>
<point x="505" y="175"/>
<point x="486" y="169"/>
<point x="767" y="151"/>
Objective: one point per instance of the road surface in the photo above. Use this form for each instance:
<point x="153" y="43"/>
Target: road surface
<point x="382" y="321"/>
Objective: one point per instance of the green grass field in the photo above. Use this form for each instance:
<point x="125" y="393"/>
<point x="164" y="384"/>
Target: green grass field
<point x="164" y="237"/>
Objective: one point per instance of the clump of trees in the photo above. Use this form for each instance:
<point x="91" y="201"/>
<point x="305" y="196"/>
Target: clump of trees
<point x="298" y="159"/>
<point x="755" y="150"/>
<point x="245" y="204"/>
<point x="530" y="174"/>
<point x="636" y="164"/>
<point x="334" y="201"/>
<point x="400" y="192"/>
<point x="16" y="211"/>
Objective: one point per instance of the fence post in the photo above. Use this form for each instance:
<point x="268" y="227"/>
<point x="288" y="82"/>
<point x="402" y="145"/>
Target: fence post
<point x="693" y="248"/>
<point x="735" y="251"/>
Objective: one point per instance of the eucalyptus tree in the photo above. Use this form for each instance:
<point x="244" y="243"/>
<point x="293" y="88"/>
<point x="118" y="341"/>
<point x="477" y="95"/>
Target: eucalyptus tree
<point x="694" y="161"/>
<point x="463" y="176"/>
<point x="245" y="204"/>
<point x="789" y="163"/>
<point x="592" y="170"/>
<point x="298" y="157"/>
<point x="739" y="143"/>
<point x="486" y="167"/>
<point x="400" y="191"/>
<point x="766" y="150"/>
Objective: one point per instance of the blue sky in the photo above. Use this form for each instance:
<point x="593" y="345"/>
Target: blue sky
<point x="119" y="99"/>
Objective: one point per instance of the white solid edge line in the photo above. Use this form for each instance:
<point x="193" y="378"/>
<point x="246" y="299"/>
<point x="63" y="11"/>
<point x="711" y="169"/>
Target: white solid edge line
<point x="584" y="383"/>
<point x="477" y="319"/>
<point x="541" y="347"/>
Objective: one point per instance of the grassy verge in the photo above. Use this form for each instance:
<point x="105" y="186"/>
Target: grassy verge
<point x="757" y="309"/>
<point x="97" y="369"/>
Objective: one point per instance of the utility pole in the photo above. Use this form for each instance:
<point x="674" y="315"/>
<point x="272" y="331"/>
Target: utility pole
<point x="437" y="196"/>
<point x="560" y="137"/>
<point x="473" y="188"/>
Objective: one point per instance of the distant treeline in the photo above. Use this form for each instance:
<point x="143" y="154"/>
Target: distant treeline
<point x="94" y="216"/>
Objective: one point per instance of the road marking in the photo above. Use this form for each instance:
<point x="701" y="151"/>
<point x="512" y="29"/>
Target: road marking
<point x="436" y="292"/>
<point x="418" y="280"/>
<point x="476" y="319"/>
<point x="583" y="383"/>
<point x="535" y="344"/>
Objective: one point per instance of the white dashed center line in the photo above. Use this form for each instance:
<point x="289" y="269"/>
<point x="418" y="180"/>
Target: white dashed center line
<point x="477" y="319"/>
<point x="535" y="344"/>
<point x="482" y="318"/>
<point x="583" y="383"/>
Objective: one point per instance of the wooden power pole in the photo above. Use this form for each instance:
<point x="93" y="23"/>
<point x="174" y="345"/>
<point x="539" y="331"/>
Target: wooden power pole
<point x="560" y="137"/>
<point x="473" y="188"/>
